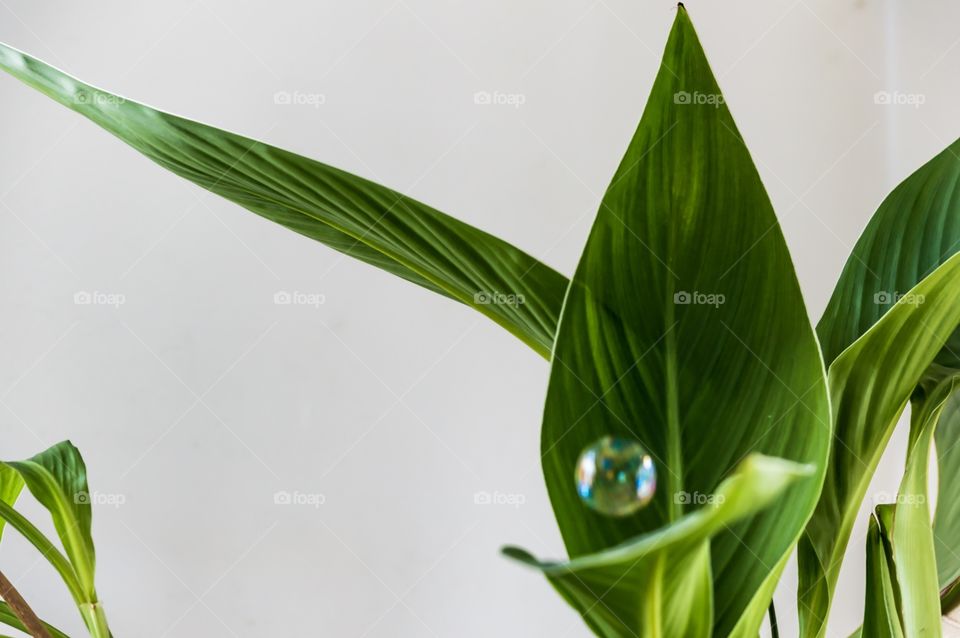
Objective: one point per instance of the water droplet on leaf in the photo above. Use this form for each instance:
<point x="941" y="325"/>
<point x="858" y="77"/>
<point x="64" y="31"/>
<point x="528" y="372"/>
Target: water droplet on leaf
<point x="615" y="476"/>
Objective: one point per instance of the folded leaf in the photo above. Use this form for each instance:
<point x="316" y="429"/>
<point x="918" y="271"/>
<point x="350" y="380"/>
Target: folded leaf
<point x="684" y="328"/>
<point x="870" y="383"/>
<point x="652" y="585"/>
<point x="881" y="615"/>
<point x="347" y="213"/>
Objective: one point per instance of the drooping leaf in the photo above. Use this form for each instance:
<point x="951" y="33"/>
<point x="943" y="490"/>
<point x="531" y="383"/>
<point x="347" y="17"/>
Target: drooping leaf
<point x="684" y="328"/>
<point x="881" y="614"/>
<point x="870" y="384"/>
<point x="653" y="585"/>
<point x="347" y="213"/>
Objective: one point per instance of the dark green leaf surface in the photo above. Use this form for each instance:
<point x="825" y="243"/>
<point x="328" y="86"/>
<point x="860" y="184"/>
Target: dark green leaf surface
<point x="870" y="384"/>
<point x="684" y="328"/>
<point x="654" y="585"/>
<point x="347" y="213"/>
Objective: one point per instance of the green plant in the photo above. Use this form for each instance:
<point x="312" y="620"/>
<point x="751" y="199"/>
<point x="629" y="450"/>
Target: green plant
<point x="739" y="398"/>
<point x="57" y="478"/>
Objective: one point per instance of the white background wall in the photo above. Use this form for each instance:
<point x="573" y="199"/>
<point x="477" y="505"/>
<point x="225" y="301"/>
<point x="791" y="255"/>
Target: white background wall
<point x="199" y="398"/>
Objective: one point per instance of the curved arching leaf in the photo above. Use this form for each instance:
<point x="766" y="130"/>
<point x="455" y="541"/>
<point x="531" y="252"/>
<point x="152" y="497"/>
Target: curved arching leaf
<point x="57" y="478"/>
<point x="347" y="213"/>
<point x="653" y="585"/>
<point x="684" y="328"/>
<point x="870" y="384"/>
<point x="915" y="230"/>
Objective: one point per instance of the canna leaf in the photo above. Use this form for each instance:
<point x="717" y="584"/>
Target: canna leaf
<point x="347" y="213"/>
<point x="685" y="329"/>
<point x="911" y="532"/>
<point x="915" y="230"/>
<point x="946" y="522"/>
<point x="653" y="585"/>
<point x="870" y="384"/>
<point x="57" y="478"/>
<point x="10" y="487"/>
<point x="881" y="615"/>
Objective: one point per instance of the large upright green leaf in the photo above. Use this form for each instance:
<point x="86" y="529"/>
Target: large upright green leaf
<point x="915" y="229"/>
<point x="870" y="384"/>
<point x="684" y="328"/>
<point x="650" y="586"/>
<point x="348" y="213"/>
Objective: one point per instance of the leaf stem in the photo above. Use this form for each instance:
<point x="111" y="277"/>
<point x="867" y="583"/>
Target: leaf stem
<point x="22" y="610"/>
<point x="774" y="628"/>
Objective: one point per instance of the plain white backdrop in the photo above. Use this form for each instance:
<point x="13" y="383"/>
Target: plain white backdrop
<point x="384" y="410"/>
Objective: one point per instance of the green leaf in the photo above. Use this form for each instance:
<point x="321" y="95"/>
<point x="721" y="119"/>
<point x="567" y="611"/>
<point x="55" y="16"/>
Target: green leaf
<point x="881" y="615"/>
<point x="684" y="328"/>
<point x="10" y="487"/>
<point x="7" y="617"/>
<point x="57" y="478"/>
<point x="911" y="533"/>
<point x="915" y="230"/>
<point x="347" y="213"/>
<point x="653" y="585"/>
<point x="946" y="521"/>
<point x="870" y="383"/>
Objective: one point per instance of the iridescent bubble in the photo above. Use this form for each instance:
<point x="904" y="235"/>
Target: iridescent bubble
<point x="615" y="476"/>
